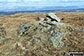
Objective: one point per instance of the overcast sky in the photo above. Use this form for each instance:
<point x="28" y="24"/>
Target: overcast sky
<point x="39" y="3"/>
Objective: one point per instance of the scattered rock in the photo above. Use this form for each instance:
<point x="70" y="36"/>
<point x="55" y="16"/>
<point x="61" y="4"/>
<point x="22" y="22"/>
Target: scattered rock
<point x="22" y="28"/>
<point x="2" y="38"/>
<point x="38" y="19"/>
<point x="62" y="18"/>
<point x="2" y="32"/>
<point x="78" y="28"/>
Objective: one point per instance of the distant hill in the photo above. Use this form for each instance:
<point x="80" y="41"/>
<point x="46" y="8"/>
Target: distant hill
<point x="59" y="8"/>
<point x="6" y="12"/>
<point x="40" y="8"/>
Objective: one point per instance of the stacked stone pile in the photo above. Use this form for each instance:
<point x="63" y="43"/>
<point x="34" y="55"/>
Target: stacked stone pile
<point x="50" y="18"/>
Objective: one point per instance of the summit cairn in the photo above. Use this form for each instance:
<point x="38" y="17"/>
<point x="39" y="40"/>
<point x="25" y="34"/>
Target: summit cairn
<point x="50" y="18"/>
<point x="45" y="30"/>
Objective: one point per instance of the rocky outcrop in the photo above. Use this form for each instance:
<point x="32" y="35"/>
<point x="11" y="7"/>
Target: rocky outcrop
<point x="44" y="30"/>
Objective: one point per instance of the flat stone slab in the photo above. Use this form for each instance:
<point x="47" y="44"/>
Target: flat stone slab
<point x="53" y="17"/>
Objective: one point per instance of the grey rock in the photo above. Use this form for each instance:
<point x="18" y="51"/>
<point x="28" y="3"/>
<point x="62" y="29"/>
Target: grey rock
<point x="78" y="28"/>
<point x="37" y="40"/>
<point x="38" y="19"/>
<point x="82" y="30"/>
<point x="2" y="38"/>
<point x="62" y="18"/>
<point x="53" y="17"/>
<point x="22" y="29"/>
<point x="2" y="31"/>
<point x="55" y="23"/>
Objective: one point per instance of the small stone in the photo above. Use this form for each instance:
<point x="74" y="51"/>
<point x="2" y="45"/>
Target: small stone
<point x="62" y="18"/>
<point x="22" y="29"/>
<point x="38" y="19"/>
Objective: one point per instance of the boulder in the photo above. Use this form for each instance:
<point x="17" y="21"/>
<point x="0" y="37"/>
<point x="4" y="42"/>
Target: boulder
<point x="53" y="17"/>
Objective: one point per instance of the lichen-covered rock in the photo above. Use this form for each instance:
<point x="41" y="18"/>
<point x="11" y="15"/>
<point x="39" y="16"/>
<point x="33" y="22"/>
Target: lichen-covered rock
<point x="56" y="39"/>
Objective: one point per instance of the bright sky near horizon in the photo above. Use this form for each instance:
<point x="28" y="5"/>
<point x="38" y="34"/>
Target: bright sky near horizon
<point x="39" y="3"/>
